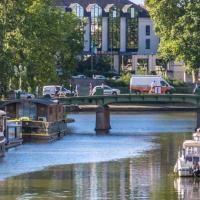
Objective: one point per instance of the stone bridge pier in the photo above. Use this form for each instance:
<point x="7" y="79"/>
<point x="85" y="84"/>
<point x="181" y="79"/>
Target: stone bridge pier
<point x="102" y="119"/>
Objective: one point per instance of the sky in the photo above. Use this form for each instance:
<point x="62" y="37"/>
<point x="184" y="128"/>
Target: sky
<point x="138" y="1"/>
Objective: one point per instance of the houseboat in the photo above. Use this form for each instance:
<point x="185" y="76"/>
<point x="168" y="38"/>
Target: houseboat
<point x="42" y="119"/>
<point x="189" y="157"/>
<point x="2" y="131"/>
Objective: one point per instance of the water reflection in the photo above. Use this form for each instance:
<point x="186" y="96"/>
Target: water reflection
<point x="125" y="179"/>
<point x="134" y="178"/>
<point x="188" y="188"/>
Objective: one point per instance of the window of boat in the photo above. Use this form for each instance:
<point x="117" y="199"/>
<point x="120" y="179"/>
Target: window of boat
<point x="27" y="110"/>
<point x="195" y="159"/>
<point x="188" y="158"/>
<point x="189" y="150"/>
<point x="11" y="133"/>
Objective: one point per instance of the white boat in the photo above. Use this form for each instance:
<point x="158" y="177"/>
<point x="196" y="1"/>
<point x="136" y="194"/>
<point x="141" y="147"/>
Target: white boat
<point x="188" y="162"/>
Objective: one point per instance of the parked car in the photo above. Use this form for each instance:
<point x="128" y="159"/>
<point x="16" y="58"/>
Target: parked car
<point x="99" y="77"/>
<point x="80" y="76"/>
<point x="105" y="90"/>
<point x="56" y="90"/>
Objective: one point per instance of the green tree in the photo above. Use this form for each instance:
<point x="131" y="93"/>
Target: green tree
<point x="36" y="39"/>
<point x="9" y="39"/>
<point x="177" y="23"/>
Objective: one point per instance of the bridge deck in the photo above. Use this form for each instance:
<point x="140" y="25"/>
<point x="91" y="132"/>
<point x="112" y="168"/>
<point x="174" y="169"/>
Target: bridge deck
<point x="133" y="98"/>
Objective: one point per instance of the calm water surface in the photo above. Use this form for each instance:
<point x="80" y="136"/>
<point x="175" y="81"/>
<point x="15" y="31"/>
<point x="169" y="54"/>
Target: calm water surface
<point x="135" y="161"/>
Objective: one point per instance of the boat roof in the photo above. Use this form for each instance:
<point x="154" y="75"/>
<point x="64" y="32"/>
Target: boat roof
<point x="46" y="102"/>
<point x="191" y="143"/>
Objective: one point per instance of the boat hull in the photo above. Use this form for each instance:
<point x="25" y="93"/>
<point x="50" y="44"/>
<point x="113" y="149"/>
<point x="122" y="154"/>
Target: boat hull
<point x="14" y="143"/>
<point x="38" y="131"/>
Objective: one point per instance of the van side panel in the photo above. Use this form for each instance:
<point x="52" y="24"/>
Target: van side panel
<point x="142" y="89"/>
<point x="142" y="84"/>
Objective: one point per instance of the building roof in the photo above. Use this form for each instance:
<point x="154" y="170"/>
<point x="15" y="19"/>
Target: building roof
<point x="103" y="3"/>
<point x="45" y="102"/>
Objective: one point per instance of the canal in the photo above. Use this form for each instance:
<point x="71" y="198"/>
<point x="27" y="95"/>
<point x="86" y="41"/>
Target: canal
<point x="134" y="161"/>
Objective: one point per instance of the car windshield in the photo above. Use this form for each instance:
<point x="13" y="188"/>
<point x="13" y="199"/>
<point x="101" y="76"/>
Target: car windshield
<point x="163" y="83"/>
<point x="107" y="87"/>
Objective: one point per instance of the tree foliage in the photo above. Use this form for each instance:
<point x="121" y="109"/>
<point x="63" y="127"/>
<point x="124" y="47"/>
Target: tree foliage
<point x="35" y="39"/>
<point x="177" y="23"/>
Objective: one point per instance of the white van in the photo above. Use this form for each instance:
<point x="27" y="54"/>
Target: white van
<point x="150" y="84"/>
<point x="56" y="90"/>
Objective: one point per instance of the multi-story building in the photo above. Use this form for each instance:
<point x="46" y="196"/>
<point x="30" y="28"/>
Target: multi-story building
<point x="117" y="28"/>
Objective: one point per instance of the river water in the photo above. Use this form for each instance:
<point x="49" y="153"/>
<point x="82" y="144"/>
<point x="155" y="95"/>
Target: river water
<point x="134" y="161"/>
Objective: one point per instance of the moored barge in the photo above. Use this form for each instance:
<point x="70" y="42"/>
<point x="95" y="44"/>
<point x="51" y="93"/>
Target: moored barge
<point x="42" y="119"/>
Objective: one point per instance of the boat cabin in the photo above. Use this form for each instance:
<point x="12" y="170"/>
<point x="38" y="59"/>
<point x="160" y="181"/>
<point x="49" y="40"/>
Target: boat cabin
<point x="42" y="119"/>
<point x="191" y="150"/>
<point x="35" y="109"/>
<point x="2" y="132"/>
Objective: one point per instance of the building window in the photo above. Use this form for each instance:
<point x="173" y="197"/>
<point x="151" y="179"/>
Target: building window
<point x="132" y="29"/>
<point x="77" y="10"/>
<point x="148" y="44"/>
<point x="96" y="27"/>
<point x="148" y="30"/>
<point x="114" y="29"/>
